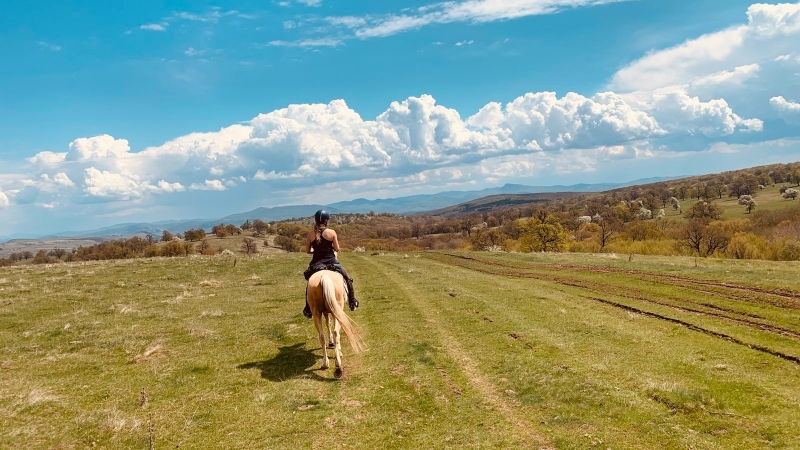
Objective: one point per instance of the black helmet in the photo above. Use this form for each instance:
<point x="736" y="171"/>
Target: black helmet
<point x="321" y="216"/>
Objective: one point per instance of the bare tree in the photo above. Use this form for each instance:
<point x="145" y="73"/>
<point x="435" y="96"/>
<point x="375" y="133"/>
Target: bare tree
<point x="249" y="246"/>
<point x="609" y="226"/>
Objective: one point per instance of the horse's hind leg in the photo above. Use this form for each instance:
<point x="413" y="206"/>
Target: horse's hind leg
<point x="330" y="331"/>
<point x="337" y="349"/>
<point x="321" y="332"/>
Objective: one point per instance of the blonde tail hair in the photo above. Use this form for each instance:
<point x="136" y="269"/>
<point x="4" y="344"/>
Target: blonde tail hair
<point x="348" y="326"/>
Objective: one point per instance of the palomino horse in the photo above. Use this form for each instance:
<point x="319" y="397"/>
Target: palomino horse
<point x="326" y="296"/>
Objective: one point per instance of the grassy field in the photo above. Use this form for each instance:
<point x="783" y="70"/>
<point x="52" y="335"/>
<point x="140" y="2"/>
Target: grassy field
<point x="767" y="199"/>
<point x="466" y="350"/>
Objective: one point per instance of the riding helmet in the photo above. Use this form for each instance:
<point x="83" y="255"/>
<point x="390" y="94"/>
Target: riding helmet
<point x="321" y="216"/>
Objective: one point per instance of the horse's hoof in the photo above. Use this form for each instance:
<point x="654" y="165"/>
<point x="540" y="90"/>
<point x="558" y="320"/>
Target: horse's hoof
<point x="324" y="367"/>
<point x="331" y="346"/>
<point x="338" y="373"/>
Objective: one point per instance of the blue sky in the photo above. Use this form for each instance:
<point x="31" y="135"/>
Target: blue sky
<point x="165" y="110"/>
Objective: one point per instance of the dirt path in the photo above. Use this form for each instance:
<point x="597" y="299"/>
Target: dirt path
<point x="493" y="267"/>
<point x="525" y="434"/>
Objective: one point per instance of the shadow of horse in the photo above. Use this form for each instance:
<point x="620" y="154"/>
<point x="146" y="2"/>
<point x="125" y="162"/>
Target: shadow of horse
<point x="291" y="362"/>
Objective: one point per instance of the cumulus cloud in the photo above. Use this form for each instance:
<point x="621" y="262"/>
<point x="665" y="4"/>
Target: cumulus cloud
<point x="109" y="185"/>
<point x="680" y="113"/>
<point x="4" y="202"/>
<point x="61" y="179"/>
<point x="209" y="185"/>
<point x="543" y="121"/>
<point x="97" y="147"/>
<point x="787" y="110"/>
<point x="47" y="158"/>
<point x="771" y="32"/>
<point x="164" y="186"/>
<point x="326" y="143"/>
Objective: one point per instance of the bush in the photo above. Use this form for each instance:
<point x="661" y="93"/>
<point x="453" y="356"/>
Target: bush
<point x="747" y="246"/>
<point x="788" y="251"/>
<point x="287" y="243"/>
<point x="41" y="257"/>
<point x="172" y="249"/>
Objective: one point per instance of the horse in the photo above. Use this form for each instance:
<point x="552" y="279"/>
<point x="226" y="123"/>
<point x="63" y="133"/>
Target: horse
<point x="326" y="296"/>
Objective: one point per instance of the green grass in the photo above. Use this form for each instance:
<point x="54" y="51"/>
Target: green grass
<point x="767" y="199"/>
<point x="472" y="350"/>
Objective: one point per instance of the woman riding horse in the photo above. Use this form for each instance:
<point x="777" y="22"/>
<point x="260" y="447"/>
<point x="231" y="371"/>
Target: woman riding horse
<point x="323" y="243"/>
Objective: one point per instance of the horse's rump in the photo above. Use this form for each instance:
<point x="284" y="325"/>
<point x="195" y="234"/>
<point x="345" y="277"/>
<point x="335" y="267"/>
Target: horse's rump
<point x="326" y="295"/>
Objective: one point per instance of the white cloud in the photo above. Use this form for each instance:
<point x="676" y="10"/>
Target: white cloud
<point x="164" y="186"/>
<point x="736" y="76"/>
<point x="787" y="110"/>
<point x="61" y="179"/>
<point x="155" y="26"/>
<point x="47" y="158"/>
<point x="322" y="42"/>
<point x="346" y="21"/>
<point x="415" y="140"/>
<point x="786" y="57"/>
<point x="678" y="112"/>
<point x="109" y="185"/>
<point x="193" y="52"/>
<point x="470" y="11"/>
<point x="771" y="32"/>
<point x="544" y="121"/>
<point x="97" y="147"/>
<point x="313" y="3"/>
<point x="209" y="185"/>
<point x="48" y="46"/>
<point x="4" y="202"/>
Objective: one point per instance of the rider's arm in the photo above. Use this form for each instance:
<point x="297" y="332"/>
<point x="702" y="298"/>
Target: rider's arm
<point x="335" y="241"/>
<point x="309" y="239"/>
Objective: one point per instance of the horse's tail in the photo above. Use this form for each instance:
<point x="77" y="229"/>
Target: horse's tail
<point x="329" y="294"/>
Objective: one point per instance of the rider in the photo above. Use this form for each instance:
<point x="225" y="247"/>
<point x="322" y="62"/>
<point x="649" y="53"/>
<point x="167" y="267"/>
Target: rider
<point x="322" y="242"/>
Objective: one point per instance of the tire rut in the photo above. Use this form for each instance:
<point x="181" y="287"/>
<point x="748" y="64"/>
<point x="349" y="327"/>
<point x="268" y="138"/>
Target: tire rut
<point x="791" y="299"/>
<point x="541" y="274"/>
<point x="690" y="326"/>
<point x="525" y="435"/>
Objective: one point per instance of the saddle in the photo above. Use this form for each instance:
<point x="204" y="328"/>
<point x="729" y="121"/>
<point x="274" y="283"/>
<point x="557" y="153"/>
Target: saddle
<point x="320" y="266"/>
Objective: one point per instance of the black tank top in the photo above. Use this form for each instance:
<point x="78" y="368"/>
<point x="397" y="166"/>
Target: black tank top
<point x="323" y="251"/>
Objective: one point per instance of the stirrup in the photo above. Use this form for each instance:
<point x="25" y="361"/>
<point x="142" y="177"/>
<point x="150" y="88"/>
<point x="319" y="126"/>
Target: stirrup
<point x="307" y="312"/>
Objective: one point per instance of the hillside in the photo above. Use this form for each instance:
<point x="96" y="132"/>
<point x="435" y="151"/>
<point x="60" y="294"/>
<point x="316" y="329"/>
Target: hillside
<point x="501" y="201"/>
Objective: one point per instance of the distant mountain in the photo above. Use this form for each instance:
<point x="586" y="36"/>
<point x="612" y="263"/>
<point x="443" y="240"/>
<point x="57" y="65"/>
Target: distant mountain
<point x="413" y="204"/>
<point x="499" y="201"/>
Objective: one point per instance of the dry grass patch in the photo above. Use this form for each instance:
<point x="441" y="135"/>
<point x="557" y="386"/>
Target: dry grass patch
<point x="212" y="313"/>
<point x="124" y="309"/>
<point x="200" y="332"/>
<point x="39" y="395"/>
<point x="154" y="350"/>
<point x="210" y="283"/>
